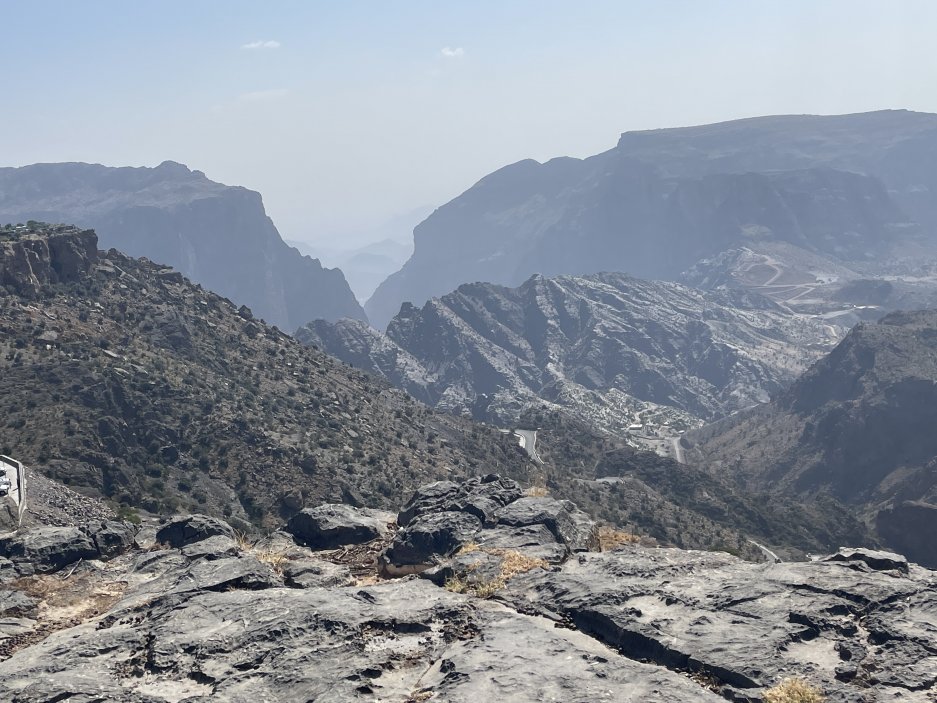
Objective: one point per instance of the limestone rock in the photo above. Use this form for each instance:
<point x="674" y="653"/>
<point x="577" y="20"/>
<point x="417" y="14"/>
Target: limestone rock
<point x="185" y="529"/>
<point x="568" y="524"/>
<point x="480" y="496"/>
<point x="330" y="526"/>
<point x="431" y="537"/>
<point x="111" y="537"/>
<point x="48" y="549"/>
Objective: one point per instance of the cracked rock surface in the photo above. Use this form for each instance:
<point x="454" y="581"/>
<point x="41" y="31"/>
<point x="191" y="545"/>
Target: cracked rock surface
<point x="219" y="620"/>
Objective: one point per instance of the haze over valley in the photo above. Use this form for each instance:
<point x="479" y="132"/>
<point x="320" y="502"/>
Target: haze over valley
<point x="508" y="351"/>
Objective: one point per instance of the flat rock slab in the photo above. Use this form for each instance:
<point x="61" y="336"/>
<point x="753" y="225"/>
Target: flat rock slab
<point x="519" y="659"/>
<point x="315" y="573"/>
<point x="747" y="626"/>
<point x="399" y="641"/>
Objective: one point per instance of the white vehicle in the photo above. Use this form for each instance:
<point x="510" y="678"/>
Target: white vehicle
<point x="8" y="466"/>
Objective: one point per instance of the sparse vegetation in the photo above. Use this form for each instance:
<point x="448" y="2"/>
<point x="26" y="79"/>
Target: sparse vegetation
<point x="793" y="691"/>
<point x="512" y="564"/>
<point x="148" y="390"/>
<point x="610" y="538"/>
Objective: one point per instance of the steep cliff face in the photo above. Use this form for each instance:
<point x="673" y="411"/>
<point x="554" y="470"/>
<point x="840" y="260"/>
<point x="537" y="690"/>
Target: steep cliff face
<point x="217" y="235"/>
<point x="29" y="260"/>
<point x="858" y="425"/>
<point x="608" y="348"/>
<point x="846" y="187"/>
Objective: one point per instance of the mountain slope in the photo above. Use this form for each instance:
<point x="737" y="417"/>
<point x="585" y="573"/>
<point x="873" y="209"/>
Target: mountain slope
<point x="216" y="235"/>
<point x="120" y="378"/>
<point x="603" y="347"/>
<point x="858" y="425"/>
<point x="660" y="201"/>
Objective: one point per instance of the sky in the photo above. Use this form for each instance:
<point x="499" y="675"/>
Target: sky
<point x="344" y="115"/>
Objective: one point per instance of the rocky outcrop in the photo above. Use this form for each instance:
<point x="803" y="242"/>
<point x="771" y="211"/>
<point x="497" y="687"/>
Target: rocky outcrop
<point x="31" y="260"/>
<point x="602" y="348"/>
<point x="216" y="235"/>
<point x="186" y="529"/>
<point x="275" y="621"/>
<point x="330" y="526"/>
<point x="489" y="515"/>
<point x="48" y="549"/>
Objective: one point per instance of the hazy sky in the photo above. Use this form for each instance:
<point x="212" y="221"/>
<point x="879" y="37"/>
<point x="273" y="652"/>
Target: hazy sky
<point x="343" y="114"/>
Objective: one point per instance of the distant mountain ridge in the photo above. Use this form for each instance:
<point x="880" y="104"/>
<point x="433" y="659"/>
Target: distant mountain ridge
<point x="848" y="186"/>
<point x="217" y="235"/>
<point x="859" y="425"/>
<point x="610" y="349"/>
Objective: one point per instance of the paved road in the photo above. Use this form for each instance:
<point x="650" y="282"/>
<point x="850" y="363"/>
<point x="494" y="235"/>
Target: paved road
<point x="528" y="442"/>
<point x="678" y="451"/>
<point x="768" y="553"/>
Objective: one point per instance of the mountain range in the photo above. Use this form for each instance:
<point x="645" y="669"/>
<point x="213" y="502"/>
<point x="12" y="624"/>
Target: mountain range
<point x="609" y="349"/>
<point x="122" y="379"/>
<point x="216" y="235"/>
<point x="850" y="188"/>
<point x="858" y="425"/>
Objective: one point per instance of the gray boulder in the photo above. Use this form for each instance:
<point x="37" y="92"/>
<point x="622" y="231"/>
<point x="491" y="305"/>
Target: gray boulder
<point x="47" y="549"/>
<point x="565" y="521"/>
<point x="334" y="525"/>
<point x="185" y="529"/>
<point x="210" y="548"/>
<point x="473" y="569"/>
<point x="111" y="537"/>
<point x="480" y="496"/>
<point x="429" y="538"/>
<point x="535" y="541"/>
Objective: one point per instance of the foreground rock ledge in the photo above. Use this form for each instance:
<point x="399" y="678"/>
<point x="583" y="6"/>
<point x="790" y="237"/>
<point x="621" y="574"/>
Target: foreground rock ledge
<point x="220" y="620"/>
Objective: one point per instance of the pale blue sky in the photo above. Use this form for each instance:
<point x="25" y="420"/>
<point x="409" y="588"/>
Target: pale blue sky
<point x="351" y="112"/>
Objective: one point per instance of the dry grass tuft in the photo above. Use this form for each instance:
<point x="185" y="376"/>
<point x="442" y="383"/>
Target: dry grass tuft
<point x="537" y="492"/>
<point x="456" y="585"/>
<point x="512" y="564"/>
<point x="243" y="541"/>
<point x="276" y="560"/>
<point x="793" y="691"/>
<point x="609" y="538"/>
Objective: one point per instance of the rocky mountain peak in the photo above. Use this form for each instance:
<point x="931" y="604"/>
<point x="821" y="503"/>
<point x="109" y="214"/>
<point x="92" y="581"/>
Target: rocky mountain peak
<point x="217" y="235"/>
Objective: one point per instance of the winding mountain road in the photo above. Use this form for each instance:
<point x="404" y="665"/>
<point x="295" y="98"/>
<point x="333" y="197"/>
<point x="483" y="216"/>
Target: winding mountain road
<point x="528" y="442"/>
